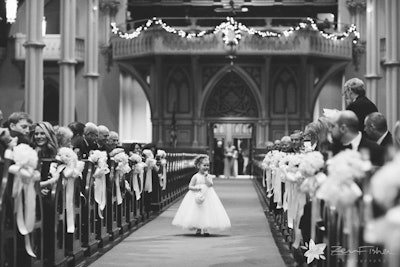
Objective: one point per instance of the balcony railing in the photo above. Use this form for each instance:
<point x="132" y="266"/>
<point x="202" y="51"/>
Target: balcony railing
<point x="52" y="49"/>
<point x="156" y="41"/>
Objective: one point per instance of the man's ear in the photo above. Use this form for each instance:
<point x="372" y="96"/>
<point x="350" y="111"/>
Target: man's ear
<point x="12" y="126"/>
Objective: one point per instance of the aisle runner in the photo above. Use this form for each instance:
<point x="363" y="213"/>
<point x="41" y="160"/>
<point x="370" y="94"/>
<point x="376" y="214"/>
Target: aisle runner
<point x="248" y="243"/>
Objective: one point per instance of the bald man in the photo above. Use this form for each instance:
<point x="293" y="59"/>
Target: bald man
<point x="345" y="131"/>
<point x="104" y="134"/>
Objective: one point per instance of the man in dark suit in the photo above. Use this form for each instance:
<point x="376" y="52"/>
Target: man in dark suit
<point x="376" y="129"/>
<point x="345" y="132"/>
<point x="88" y="142"/>
<point x="354" y="93"/>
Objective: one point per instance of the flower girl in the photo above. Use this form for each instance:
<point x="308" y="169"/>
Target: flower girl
<point x="201" y="208"/>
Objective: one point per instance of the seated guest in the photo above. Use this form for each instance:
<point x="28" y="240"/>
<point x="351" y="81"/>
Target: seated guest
<point x="44" y="140"/>
<point x="135" y="148"/>
<point x="77" y="129"/>
<point x="345" y="131"/>
<point x="19" y="123"/>
<point x="277" y="145"/>
<point x="286" y="144"/>
<point x="64" y="136"/>
<point x="297" y="140"/>
<point x="104" y="134"/>
<point x="113" y="141"/>
<point x="88" y="142"/>
<point x="376" y="129"/>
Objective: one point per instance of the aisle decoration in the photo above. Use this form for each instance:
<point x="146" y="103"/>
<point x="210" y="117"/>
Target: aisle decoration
<point x="122" y="161"/>
<point x="23" y="192"/>
<point x="99" y="158"/>
<point x="311" y="168"/>
<point x="71" y="169"/>
<point x="137" y="173"/>
<point x="151" y="164"/>
<point x="385" y="190"/>
<point x="340" y="189"/>
<point x="162" y="155"/>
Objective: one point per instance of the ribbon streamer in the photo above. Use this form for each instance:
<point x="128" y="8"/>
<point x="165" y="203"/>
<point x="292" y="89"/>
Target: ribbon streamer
<point x="24" y="184"/>
<point x="118" y="176"/>
<point x="163" y="177"/>
<point x="100" y="189"/>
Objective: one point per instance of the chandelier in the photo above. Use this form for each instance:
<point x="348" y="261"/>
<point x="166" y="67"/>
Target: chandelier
<point x="11" y="10"/>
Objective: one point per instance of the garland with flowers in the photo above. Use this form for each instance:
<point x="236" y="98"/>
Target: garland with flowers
<point x="232" y="31"/>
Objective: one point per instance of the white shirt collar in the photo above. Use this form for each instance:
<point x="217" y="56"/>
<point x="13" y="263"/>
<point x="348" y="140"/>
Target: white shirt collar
<point x="355" y="142"/>
<point x="382" y="137"/>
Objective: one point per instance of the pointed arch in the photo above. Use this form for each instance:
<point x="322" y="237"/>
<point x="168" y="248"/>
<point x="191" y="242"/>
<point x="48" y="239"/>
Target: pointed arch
<point x="128" y="68"/>
<point x="285" y="92"/>
<point x="333" y="70"/>
<point x="252" y="94"/>
<point x="178" y="90"/>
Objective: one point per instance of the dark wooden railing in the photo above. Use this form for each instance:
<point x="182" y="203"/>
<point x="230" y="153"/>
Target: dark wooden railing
<point x="51" y="243"/>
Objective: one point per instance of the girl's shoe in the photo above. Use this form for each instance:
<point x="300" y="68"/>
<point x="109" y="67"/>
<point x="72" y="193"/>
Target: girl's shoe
<point x="206" y="233"/>
<point x="198" y="232"/>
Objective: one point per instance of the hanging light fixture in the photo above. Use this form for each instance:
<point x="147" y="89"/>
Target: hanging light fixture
<point x="11" y="10"/>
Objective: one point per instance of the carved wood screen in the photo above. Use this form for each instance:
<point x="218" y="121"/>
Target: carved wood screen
<point x="231" y="97"/>
<point x="178" y="91"/>
<point x="285" y="93"/>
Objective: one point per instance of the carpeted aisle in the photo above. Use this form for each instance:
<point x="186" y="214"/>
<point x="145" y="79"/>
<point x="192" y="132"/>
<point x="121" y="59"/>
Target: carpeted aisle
<point x="248" y="243"/>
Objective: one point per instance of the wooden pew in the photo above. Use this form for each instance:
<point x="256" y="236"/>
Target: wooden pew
<point x="8" y="228"/>
<point x="89" y="235"/>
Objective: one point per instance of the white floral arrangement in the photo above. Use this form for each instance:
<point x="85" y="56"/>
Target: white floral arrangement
<point x="122" y="159"/>
<point x="311" y="163"/>
<point x="291" y="168"/>
<point x="26" y="156"/>
<point x="385" y="183"/>
<point x="339" y="189"/>
<point x="267" y="160"/>
<point x="135" y="158"/>
<point x="348" y="165"/>
<point x="73" y="167"/>
<point x="100" y="159"/>
<point x="276" y="158"/>
<point x="163" y="156"/>
<point x="150" y="161"/>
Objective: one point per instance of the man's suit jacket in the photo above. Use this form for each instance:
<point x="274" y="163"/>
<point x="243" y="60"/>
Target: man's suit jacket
<point x="376" y="152"/>
<point x="82" y="149"/>
<point x="388" y="140"/>
<point x="362" y="107"/>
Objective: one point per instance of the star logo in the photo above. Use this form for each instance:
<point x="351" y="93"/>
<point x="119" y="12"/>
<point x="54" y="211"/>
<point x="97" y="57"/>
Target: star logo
<point x="315" y="251"/>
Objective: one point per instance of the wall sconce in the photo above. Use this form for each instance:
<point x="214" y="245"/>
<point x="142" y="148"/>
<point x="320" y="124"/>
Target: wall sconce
<point x="11" y="10"/>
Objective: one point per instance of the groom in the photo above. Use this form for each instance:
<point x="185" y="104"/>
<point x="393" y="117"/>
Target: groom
<point x="346" y="135"/>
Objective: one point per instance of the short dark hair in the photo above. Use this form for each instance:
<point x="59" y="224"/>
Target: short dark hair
<point x="77" y="128"/>
<point x="378" y="121"/>
<point x="15" y="117"/>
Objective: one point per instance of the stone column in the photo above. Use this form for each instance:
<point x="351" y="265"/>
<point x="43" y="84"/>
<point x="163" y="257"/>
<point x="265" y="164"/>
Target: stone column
<point x="67" y="62"/>
<point x="109" y="9"/>
<point x="34" y="60"/>
<point x="197" y="97"/>
<point x="357" y="14"/>
<point x="372" y="47"/>
<point x="91" y="58"/>
<point x="262" y="134"/>
<point x="392" y="62"/>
